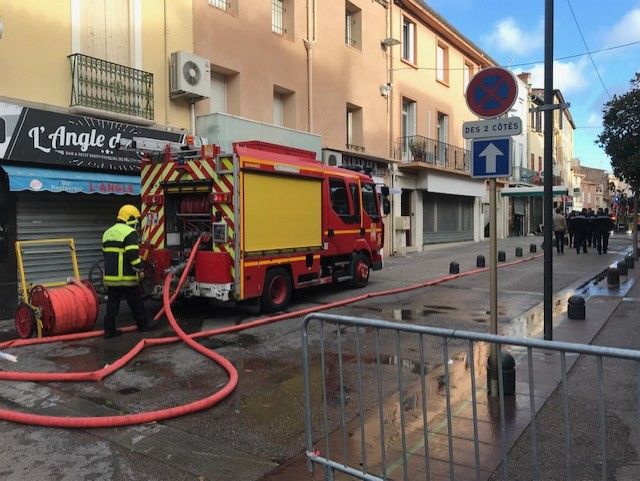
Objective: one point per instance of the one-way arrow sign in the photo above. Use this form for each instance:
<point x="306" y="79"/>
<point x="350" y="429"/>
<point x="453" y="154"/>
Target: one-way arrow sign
<point x="491" y="158"/>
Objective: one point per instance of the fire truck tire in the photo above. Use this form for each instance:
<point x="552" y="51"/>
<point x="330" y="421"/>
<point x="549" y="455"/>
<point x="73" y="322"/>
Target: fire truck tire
<point x="360" y="271"/>
<point x="277" y="290"/>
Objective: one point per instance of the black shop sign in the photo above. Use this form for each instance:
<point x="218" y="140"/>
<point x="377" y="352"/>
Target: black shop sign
<point x="71" y="141"/>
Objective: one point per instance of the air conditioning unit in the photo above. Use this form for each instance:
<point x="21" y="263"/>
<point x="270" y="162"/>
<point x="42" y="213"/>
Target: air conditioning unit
<point x="331" y="157"/>
<point x="190" y="76"/>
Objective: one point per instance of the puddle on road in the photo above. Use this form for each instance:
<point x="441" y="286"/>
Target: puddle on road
<point x="239" y="340"/>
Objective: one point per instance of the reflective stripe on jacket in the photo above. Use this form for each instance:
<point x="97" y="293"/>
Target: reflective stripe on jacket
<point x="121" y="256"/>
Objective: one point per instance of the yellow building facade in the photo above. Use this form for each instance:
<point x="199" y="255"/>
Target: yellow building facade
<point x="79" y="80"/>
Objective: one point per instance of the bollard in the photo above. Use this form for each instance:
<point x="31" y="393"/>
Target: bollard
<point x="508" y="374"/>
<point x="502" y="256"/>
<point x="533" y="248"/>
<point x="518" y="251"/>
<point x="622" y="268"/>
<point x="454" y="268"/>
<point x="576" y="308"/>
<point x="613" y="277"/>
<point x="480" y="261"/>
<point x="631" y="262"/>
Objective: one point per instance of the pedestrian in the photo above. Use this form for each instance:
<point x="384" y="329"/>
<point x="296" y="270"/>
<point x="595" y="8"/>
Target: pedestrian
<point x="590" y="227"/>
<point x="123" y="270"/>
<point x="608" y="226"/>
<point x="516" y="225"/>
<point x="559" y="229"/>
<point x="571" y="227"/>
<point x="581" y="224"/>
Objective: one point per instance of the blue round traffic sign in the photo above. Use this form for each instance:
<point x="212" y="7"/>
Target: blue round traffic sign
<point x="491" y="92"/>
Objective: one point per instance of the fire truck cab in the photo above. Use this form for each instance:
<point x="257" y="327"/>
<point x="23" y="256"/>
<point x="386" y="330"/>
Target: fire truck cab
<point x="274" y="218"/>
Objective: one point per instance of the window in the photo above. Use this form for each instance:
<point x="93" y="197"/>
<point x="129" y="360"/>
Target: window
<point x="443" y="137"/>
<point x="105" y="30"/>
<point x="283" y="107"/>
<point x="354" y="127"/>
<point x="278" y="108"/>
<point x="218" y="98"/>
<point x="467" y="72"/>
<point x="355" y="200"/>
<point x="353" y="26"/>
<point x="442" y="63"/>
<point x="533" y="162"/>
<point x="369" y="202"/>
<point x="408" y="118"/>
<point x="560" y="115"/>
<point x="221" y="4"/>
<point x="339" y="200"/>
<point x="539" y="164"/>
<point x="277" y="17"/>
<point x="408" y="40"/>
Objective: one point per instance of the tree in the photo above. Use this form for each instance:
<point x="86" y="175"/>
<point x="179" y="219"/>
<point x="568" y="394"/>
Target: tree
<point x="620" y="139"/>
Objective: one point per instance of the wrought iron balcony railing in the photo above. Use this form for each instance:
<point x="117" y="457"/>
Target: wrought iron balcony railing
<point x="416" y="148"/>
<point x="111" y="87"/>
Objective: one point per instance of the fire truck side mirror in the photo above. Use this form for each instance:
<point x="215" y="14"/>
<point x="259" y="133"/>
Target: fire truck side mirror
<point x="386" y="206"/>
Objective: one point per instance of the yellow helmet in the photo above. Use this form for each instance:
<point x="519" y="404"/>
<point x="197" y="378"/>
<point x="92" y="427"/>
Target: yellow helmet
<point x="129" y="214"/>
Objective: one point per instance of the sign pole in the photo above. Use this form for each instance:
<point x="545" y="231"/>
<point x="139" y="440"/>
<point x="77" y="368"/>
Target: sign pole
<point x="548" y="171"/>
<point x="493" y="280"/>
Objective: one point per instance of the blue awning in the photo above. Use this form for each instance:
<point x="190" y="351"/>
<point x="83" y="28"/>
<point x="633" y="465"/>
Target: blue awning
<point x="39" y="179"/>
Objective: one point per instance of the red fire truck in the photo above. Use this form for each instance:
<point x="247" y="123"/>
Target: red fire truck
<point x="275" y="220"/>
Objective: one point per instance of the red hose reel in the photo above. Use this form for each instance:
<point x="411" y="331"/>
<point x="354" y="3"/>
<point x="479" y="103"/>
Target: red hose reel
<point x="60" y="310"/>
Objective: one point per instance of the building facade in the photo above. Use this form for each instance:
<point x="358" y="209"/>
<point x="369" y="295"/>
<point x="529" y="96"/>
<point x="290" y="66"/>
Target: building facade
<point x="91" y="76"/>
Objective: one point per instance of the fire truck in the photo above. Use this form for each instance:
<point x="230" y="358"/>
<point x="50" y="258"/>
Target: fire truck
<point x="272" y="219"/>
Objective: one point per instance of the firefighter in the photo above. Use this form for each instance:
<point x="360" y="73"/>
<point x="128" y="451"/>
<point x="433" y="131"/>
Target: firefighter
<point x="123" y="270"/>
<point x="581" y="225"/>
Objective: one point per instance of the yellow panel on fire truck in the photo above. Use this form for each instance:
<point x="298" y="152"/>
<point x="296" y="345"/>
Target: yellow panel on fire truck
<point x="281" y="212"/>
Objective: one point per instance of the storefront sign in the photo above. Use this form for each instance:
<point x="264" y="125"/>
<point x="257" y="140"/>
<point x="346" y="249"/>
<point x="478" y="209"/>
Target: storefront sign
<point x="45" y="137"/>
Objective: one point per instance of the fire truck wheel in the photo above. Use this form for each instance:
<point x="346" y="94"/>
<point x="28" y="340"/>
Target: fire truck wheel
<point x="360" y="271"/>
<point x="277" y="290"/>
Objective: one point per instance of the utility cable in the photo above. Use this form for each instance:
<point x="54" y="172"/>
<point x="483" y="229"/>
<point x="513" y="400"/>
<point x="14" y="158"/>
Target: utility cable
<point x="587" y="47"/>
<point x="527" y="64"/>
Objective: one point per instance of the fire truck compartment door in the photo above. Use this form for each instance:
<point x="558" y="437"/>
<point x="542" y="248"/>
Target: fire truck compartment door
<point x="281" y="212"/>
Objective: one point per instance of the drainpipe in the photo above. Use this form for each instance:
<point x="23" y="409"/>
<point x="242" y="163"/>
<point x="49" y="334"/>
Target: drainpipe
<point x="309" y="44"/>
<point x="389" y="66"/>
<point x="167" y="101"/>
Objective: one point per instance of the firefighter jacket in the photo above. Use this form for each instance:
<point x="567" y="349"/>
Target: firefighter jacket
<point x="122" y="260"/>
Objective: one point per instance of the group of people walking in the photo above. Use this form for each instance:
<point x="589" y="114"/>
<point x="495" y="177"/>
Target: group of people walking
<point x="585" y="228"/>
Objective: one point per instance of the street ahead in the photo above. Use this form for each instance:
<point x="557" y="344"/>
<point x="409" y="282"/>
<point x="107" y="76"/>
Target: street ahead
<point x="260" y="426"/>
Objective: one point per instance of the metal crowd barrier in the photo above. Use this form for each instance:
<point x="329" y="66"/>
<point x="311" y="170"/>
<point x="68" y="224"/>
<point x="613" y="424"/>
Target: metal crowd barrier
<point x="367" y="421"/>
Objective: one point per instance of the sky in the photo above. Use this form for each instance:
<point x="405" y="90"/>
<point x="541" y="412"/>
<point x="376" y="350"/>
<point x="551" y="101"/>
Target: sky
<point x="512" y="32"/>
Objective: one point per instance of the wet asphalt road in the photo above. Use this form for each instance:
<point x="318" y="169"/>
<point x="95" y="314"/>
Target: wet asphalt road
<point x="259" y="426"/>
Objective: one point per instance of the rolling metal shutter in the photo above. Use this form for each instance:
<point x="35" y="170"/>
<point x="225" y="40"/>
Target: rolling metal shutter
<point x="447" y="218"/>
<point x="79" y="216"/>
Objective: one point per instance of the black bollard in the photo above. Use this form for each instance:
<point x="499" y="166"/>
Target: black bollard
<point x="454" y="268"/>
<point x="502" y="256"/>
<point x="508" y="374"/>
<point x="533" y="248"/>
<point x="631" y="262"/>
<point x="576" y="309"/>
<point x="480" y="261"/>
<point x="622" y="268"/>
<point x="613" y="277"/>
<point x="518" y="251"/>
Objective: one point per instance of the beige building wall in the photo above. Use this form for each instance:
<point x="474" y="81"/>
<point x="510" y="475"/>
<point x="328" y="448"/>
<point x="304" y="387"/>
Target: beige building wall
<point x="39" y="35"/>
<point x="255" y="62"/>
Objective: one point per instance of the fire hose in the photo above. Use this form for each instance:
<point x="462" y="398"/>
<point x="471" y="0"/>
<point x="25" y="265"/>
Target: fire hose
<point x="189" y="339"/>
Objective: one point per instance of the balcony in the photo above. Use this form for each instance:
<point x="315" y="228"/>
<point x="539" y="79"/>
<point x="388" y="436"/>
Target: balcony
<point x="107" y="89"/>
<point x="416" y="151"/>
